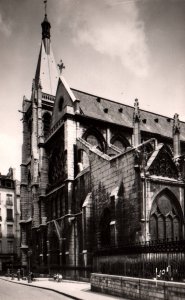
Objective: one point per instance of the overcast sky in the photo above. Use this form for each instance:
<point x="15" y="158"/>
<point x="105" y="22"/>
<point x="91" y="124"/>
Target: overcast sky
<point x="118" y="49"/>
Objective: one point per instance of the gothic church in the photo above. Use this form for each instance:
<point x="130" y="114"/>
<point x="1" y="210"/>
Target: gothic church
<point x="99" y="179"/>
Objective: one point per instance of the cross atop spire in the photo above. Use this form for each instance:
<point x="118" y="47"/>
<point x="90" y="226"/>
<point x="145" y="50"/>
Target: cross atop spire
<point x="61" y="66"/>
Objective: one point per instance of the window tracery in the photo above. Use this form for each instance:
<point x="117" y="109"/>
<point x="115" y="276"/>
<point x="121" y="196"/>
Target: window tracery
<point x="164" y="166"/>
<point x="57" y="163"/>
<point x="165" y="219"/>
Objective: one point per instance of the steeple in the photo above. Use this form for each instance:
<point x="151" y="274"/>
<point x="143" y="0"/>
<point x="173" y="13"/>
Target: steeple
<point x="46" y="31"/>
<point x="46" y="75"/>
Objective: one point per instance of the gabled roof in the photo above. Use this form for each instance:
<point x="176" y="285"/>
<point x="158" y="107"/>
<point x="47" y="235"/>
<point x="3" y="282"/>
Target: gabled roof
<point x="121" y="114"/>
<point x="161" y="163"/>
<point x="46" y="72"/>
<point x="64" y="96"/>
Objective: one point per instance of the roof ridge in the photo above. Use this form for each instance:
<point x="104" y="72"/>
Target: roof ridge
<point x="123" y="104"/>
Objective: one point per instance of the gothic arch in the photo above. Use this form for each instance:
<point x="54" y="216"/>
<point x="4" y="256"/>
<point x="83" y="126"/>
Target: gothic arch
<point x="166" y="217"/>
<point x="120" y="141"/>
<point x="95" y="138"/>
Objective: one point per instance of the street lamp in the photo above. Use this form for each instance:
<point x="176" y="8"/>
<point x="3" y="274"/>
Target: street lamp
<point x="48" y="256"/>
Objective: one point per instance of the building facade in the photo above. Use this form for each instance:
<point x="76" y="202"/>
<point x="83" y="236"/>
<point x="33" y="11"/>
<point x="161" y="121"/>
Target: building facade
<point x="9" y="221"/>
<point x="96" y="176"/>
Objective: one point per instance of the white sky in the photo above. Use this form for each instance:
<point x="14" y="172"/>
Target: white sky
<point x="118" y="49"/>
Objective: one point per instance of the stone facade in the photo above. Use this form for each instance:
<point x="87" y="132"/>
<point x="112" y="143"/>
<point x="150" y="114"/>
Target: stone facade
<point x="95" y="175"/>
<point x="9" y="221"/>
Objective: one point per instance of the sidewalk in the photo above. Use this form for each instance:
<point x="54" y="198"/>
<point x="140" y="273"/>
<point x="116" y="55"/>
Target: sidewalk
<point x="74" y="289"/>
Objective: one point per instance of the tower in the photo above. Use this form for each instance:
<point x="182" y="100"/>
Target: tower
<point x="36" y="124"/>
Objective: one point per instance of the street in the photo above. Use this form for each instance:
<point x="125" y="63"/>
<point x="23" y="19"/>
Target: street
<point x="13" y="291"/>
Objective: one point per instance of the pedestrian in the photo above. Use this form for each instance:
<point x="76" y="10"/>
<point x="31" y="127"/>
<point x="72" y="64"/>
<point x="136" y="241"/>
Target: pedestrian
<point x="55" y="277"/>
<point x="60" y="277"/>
<point x="18" y="274"/>
<point x="8" y="272"/>
<point x="12" y="275"/>
<point x="31" y="276"/>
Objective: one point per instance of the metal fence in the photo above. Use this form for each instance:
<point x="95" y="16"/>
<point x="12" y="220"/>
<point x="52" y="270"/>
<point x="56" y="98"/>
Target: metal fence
<point x="164" y="260"/>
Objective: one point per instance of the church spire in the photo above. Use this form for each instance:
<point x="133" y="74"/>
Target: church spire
<point x="46" y="31"/>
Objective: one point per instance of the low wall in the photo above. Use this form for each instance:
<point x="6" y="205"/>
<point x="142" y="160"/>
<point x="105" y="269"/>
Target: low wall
<point x="137" y="288"/>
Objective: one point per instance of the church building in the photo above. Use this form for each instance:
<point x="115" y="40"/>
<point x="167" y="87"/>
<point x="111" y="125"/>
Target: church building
<point x="101" y="182"/>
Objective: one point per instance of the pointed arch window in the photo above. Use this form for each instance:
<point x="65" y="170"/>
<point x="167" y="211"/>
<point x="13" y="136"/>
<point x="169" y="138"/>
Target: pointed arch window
<point x="46" y="123"/>
<point x="166" y="217"/>
<point x="153" y="226"/>
<point x="161" y="227"/>
<point x="169" y="227"/>
<point x="176" y="228"/>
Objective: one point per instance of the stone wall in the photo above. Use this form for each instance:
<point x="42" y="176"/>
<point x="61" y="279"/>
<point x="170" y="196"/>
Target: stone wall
<point x="135" y="288"/>
<point x="108" y="175"/>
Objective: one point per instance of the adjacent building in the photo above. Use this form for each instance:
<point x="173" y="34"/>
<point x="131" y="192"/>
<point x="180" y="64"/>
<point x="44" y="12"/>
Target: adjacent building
<point x="102" y="183"/>
<point x="9" y="221"/>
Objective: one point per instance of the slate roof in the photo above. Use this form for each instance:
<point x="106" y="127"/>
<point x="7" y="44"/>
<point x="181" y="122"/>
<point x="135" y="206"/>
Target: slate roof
<point x="121" y="114"/>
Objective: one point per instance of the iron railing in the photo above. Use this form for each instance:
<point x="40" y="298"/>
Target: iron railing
<point x="161" y="259"/>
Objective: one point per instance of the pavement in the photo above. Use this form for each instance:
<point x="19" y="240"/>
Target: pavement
<point x="73" y="289"/>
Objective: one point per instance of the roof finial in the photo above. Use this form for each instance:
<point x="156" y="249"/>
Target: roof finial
<point x="45" y="7"/>
<point x="136" y="116"/>
<point x="46" y="30"/>
<point x="176" y="124"/>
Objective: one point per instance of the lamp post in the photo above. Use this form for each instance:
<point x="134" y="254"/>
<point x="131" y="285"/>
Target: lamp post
<point x="48" y="256"/>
